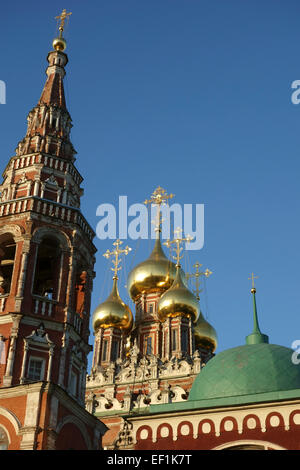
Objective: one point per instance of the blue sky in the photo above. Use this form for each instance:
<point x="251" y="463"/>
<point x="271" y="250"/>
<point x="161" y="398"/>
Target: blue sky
<point x="194" y="96"/>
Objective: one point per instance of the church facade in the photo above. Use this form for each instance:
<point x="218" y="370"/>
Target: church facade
<point x="183" y="396"/>
<point x="156" y="382"/>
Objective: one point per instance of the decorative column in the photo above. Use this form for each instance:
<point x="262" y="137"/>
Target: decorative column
<point x="51" y="352"/>
<point x="82" y="384"/>
<point x="62" y="256"/>
<point x="191" y="338"/>
<point x="36" y="187"/>
<point x="70" y="287"/>
<point x="26" y="348"/>
<point x="7" y="379"/>
<point x="23" y="268"/>
<point x="42" y="190"/>
<point x="168" y="339"/>
<point x="97" y="350"/>
<point x="70" y="370"/>
<point x="62" y="368"/>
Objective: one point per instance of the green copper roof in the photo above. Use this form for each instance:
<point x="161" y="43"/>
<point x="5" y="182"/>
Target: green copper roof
<point x="254" y="373"/>
<point x="247" y="370"/>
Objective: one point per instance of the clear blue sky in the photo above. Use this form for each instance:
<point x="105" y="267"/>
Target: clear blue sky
<point x="194" y="96"/>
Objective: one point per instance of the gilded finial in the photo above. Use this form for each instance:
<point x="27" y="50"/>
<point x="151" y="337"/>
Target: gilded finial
<point x="62" y="17"/>
<point x="253" y="290"/>
<point x="158" y="198"/>
<point x="59" y="44"/>
<point x="197" y="277"/>
<point x="178" y="240"/>
<point x="116" y="253"/>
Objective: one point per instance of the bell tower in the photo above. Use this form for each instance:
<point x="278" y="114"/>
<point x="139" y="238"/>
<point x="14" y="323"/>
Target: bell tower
<point x="46" y="274"/>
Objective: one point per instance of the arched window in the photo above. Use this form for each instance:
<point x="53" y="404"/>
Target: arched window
<point x="7" y="257"/>
<point x="3" y="439"/>
<point x="47" y="269"/>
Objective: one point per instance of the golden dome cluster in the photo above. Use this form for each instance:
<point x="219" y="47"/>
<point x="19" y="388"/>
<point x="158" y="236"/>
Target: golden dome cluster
<point x="157" y="274"/>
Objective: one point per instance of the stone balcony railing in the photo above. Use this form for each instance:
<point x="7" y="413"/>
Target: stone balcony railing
<point x="44" y="306"/>
<point x="48" y="208"/>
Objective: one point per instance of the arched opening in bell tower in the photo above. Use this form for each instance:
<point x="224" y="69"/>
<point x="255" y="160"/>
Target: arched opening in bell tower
<point x="7" y="257"/>
<point x="47" y="269"/>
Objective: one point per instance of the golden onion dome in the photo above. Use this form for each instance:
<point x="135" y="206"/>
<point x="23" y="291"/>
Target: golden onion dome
<point x="156" y="273"/>
<point x="178" y="301"/>
<point x="113" y="312"/>
<point x="59" y="44"/>
<point x="205" y="334"/>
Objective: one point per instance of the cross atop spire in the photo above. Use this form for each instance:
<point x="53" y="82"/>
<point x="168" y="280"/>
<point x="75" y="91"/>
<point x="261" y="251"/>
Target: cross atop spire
<point x="253" y="290"/>
<point x="62" y="17"/>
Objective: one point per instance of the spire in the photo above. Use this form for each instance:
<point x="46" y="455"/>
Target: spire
<point x="53" y="92"/>
<point x="256" y="336"/>
<point x="49" y="123"/>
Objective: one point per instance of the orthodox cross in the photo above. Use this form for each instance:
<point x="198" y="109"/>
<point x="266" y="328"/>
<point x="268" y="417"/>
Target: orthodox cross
<point x="197" y="276"/>
<point x="116" y="253"/>
<point x="158" y="198"/>
<point x="253" y="290"/>
<point x="178" y="240"/>
<point x="62" y="17"/>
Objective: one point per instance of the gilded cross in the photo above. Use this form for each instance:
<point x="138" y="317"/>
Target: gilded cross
<point x="158" y="198"/>
<point x="116" y="253"/>
<point x="177" y="242"/>
<point x="197" y="276"/>
<point x="252" y="279"/>
<point x="62" y="17"/>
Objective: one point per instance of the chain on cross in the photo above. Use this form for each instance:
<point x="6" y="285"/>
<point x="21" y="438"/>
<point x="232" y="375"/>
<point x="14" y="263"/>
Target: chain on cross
<point x="116" y="253"/>
<point x="197" y="277"/>
<point x="178" y="240"/>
